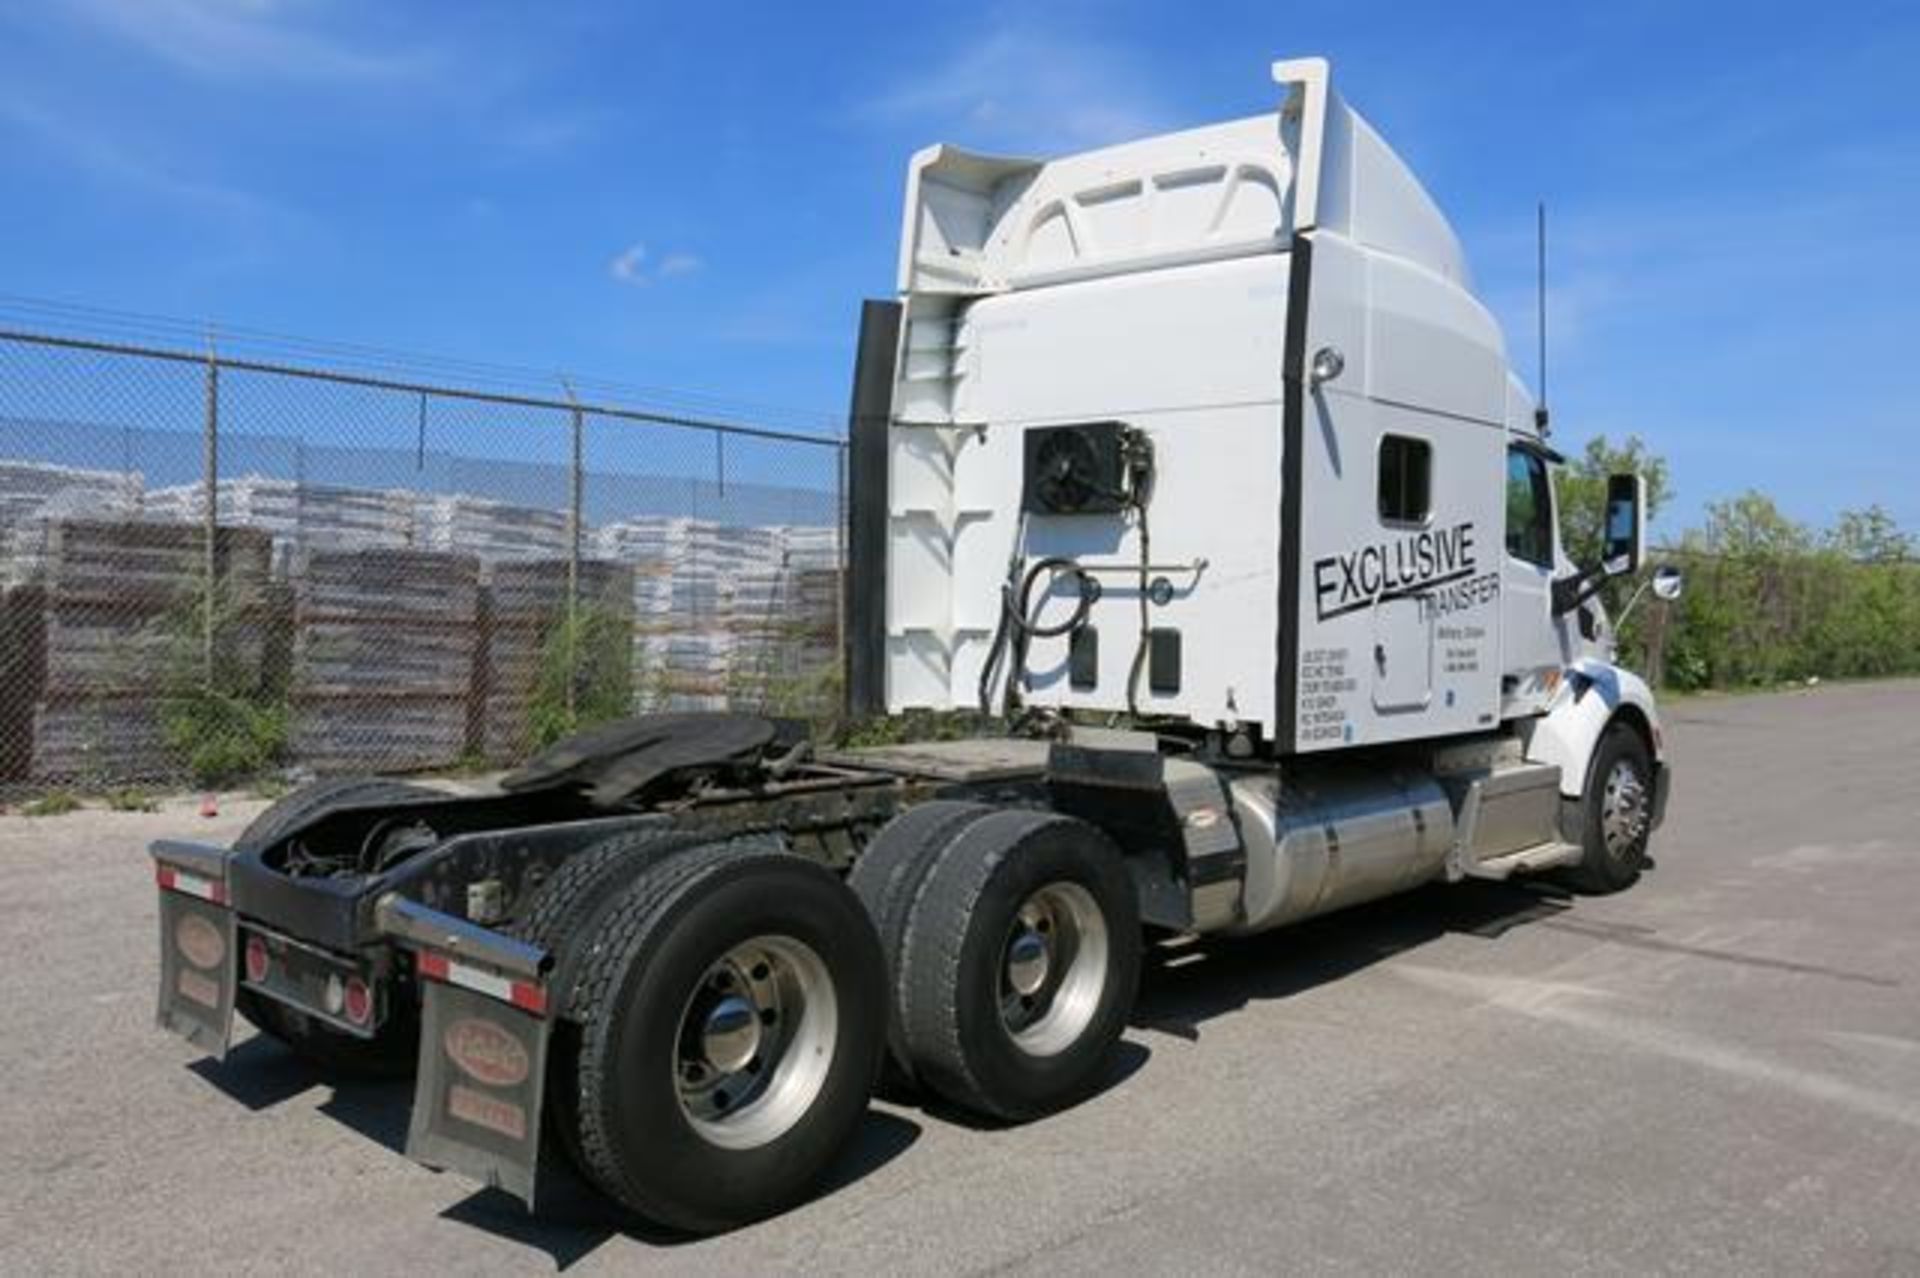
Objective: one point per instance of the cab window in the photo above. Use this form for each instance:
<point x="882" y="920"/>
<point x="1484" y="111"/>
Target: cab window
<point x="1529" y="508"/>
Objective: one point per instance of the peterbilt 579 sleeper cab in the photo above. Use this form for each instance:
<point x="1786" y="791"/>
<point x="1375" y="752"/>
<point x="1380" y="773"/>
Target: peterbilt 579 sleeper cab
<point x="1193" y="461"/>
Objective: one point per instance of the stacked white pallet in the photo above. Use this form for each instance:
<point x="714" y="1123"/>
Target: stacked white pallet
<point x="492" y="530"/>
<point x="300" y="515"/>
<point x="810" y="546"/>
<point x="33" y="494"/>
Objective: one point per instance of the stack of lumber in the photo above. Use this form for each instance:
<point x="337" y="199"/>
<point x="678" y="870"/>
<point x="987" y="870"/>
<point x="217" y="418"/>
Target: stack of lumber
<point x="103" y="624"/>
<point x="384" y="651"/>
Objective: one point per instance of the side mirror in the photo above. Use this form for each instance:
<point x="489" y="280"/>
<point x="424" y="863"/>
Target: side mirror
<point x="1668" y="582"/>
<point x="1625" y="537"/>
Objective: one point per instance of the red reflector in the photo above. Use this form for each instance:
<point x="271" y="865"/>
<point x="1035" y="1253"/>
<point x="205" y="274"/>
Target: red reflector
<point x="359" y="1004"/>
<point x="529" y="998"/>
<point x="191" y="884"/>
<point x="430" y="965"/>
<point x="258" y="960"/>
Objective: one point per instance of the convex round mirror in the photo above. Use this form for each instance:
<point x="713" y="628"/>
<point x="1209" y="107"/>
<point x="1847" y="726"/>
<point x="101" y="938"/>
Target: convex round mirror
<point x="1668" y="582"/>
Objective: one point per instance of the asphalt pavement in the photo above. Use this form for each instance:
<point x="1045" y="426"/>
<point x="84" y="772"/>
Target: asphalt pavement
<point x="1718" y="1072"/>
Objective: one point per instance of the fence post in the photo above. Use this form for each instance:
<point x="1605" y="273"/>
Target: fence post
<point x="577" y="487"/>
<point x="211" y="479"/>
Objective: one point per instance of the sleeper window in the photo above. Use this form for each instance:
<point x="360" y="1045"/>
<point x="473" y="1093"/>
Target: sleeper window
<point x="1406" y="479"/>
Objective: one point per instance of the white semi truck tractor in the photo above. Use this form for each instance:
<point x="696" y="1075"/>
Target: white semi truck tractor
<point x="1193" y="461"/>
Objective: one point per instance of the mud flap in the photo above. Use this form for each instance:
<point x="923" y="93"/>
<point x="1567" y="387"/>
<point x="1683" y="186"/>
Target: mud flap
<point x="476" y="1102"/>
<point x="198" y="964"/>
<point x="483" y="1046"/>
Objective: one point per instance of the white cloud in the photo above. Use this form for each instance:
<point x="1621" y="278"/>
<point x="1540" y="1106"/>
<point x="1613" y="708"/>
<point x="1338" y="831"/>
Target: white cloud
<point x="101" y="158"/>
<point x="250" y="39"/>
<point x="632" y="266"/>
<point x="1022" y="89"/>
<point x="629" y="265"/>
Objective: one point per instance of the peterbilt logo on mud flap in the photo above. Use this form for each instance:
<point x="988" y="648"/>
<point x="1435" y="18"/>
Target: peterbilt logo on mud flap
<point x="1411" y="566"/>
<point x="485" y="1052"/>
<point x="200" y="941"/>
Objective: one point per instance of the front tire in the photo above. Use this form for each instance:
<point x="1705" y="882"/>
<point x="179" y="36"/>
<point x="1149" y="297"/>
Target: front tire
<point x="732" y="1021"/>
<point x="1613" y="818"/>
<point x="1020" y="964"/>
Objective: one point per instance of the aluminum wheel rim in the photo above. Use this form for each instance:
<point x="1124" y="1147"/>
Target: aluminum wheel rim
<point x="1053" y="969"/>
<point x="1623" y="809"/>
<point x="755" y="1042"/>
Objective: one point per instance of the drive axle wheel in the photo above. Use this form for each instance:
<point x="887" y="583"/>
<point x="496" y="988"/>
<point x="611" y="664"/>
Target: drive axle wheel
<point x="731" y="1014"/>
<point x="756" y="1040"/>
<point x="887" y="878"/>
<point x="1021" y="959"/>
<point x="1054" y="969"/>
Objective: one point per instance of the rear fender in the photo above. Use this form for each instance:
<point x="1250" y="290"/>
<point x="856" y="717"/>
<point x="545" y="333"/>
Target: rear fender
<point x="1592" y="696"/>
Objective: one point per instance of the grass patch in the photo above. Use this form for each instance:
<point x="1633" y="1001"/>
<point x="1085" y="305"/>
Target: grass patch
<point x="128" y="799"/>
<point x="52" y="803"/>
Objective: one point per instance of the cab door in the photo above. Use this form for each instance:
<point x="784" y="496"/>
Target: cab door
<point x="1529" y="643"/>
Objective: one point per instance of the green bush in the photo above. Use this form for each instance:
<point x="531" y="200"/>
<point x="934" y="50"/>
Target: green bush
<point x="226" y="719"/>
<point x="586" y="673"/>
<point x="1769" y="599"/>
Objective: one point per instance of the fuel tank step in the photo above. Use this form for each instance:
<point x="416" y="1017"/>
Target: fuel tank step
<point x="1542" y="856"/>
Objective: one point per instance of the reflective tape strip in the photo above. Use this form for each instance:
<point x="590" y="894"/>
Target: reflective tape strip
<point x="191" y="884"/>
<point x="525" y="995"/>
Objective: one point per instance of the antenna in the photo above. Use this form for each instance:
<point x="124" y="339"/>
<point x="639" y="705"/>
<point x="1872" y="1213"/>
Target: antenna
<point x="1540" y="316"/>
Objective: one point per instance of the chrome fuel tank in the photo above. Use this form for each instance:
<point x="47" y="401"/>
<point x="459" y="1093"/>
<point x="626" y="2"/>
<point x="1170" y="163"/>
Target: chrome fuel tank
<point x="1328" y="841"/>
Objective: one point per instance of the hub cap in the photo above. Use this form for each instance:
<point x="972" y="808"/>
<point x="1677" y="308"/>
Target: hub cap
<point x="756" y="1041"/>
<point x="1053" y="969"/>
<point x="1623" y="810"/>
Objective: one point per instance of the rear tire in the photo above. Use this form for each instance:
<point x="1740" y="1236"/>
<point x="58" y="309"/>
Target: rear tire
<point x="394" y="1048"/>
<point x="887" y="877"/>
<point x="732" y="1021"/>
<point x="1613" y="817"/>
<point x="559" y="912"/>
<point x="1021" y="958"/>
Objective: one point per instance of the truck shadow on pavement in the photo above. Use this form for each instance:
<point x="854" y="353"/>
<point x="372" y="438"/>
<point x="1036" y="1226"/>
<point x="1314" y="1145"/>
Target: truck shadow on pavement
<point x="573" y="1219"/>
<point x="1183" y="985"/>
<point x="1186" y="983"/>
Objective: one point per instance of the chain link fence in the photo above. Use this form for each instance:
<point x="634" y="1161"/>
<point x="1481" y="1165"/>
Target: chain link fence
<point x="219" y="568"/>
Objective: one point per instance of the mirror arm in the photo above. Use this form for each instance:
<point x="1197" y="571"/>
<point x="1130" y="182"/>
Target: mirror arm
<point x="1570" y="592"/>
<point x="1632" y="599"/>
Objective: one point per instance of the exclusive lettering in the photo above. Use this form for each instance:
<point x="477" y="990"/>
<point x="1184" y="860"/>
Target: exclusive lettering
<point x="1410" y="565"/>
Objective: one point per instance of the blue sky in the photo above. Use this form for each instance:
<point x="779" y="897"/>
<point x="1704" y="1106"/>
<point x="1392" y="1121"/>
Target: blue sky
<point x="697" y="196"/>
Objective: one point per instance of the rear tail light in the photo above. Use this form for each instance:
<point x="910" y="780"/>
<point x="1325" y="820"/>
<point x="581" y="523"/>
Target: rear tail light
<point x="259" y="962"/>
<point x="359" y="1001"/>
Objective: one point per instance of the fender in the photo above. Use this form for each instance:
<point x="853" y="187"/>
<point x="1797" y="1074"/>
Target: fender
<point x="1592" y="695"/>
